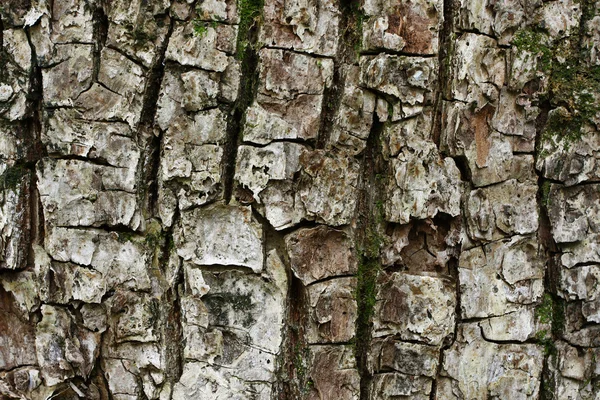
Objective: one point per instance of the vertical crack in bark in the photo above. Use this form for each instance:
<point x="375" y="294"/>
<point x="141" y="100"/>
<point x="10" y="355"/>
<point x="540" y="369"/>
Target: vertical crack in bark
<point x="145" y="134"/>
<point x="35" y="150"/>
<point x="174" y="341"/>
<point x="293" y="375"/>
<point x="250" y="12"/>
<point x="445" y="41"/>
<point x="332" y="97"/>
<point x="100" y="29"/>
<point x="369" y="238"/>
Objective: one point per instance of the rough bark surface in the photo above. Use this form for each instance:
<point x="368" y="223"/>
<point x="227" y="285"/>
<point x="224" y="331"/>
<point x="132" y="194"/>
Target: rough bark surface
<point x="299" y="199"/>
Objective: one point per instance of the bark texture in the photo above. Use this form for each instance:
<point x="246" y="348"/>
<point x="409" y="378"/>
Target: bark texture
<point x="299" y="199"/>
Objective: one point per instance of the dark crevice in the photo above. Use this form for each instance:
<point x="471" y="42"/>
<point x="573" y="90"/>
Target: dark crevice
<point x="291" y="383"/>
<point x="147" y="136"/>
<point x="33" y="234"/>
<point x="332" y="97"/>
<point x="249" y="60"/>
<point x="444" y="58"/>
<point x="173" y="332"/>
<point x="91" y="160"/>
<point x="462" y="163"/>
<point x="100" y="33"/>
<point x="369" y="231"/>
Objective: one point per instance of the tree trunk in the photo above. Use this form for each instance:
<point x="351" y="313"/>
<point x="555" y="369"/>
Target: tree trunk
<point x="301" y="199"/>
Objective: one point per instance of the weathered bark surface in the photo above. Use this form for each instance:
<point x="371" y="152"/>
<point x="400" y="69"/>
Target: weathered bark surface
<point x="299" y="199"/>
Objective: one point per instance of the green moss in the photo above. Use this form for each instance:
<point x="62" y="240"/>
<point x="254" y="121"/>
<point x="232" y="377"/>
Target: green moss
<point x="571" y="84"/>
<point x="536" y="43"/>
<point x="300" y="361"/>
<point x="545" y="339"/>
<point x="125" y="237"/>
<point x="544" y="311"/>
<point x="250" y="12"/>
<point x="200" y="28"/>
<point x="546" y="193"/>
<point x="154" y="234"/>
<point x="550" y="311"/>
<point x="366" y="294"/>
<point x="13" y="177"/>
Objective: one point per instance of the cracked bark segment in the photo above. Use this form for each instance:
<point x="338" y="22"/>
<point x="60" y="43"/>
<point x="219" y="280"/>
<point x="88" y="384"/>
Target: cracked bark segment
<point x="411" y="80"/>
<point x="135" y="316"/>
<point x="406" y="26"/>
<point x="14" y="84"/>
<point x="571" y="163"/>
<point x="334" y="311"/>
<point x="267" y="174"/>
<point x="398" y="386"/>
<point x="469" y="83"/>
<point x="121" y="381"/>
<point x="389" y="354"/>
<point x="591" y="37"/>
<point x="121" y="259"/>
<point x="516" y="326"/>
<point x="192" y="156"/>
<point x="354" y="117"/>
<point x="488" y="142"/>
<point x="422" y="184"/>
<point x="63" y="349"/>
<point x="580" y="283"/>
<point x="118" y="94"/>
<point x="412" y="132"/>
<point x="138" y="28"/>
<point x="289" y="100"/>
<point x="233" y="334"/>
<point x="15" y="218"/>
<point x="333" y="372"/>
<point x="14" y="75"/>
<point x="581" y="325"/>
<point x="218" y="10"/>
<point x="66" y="282"/>
<point x="574" y="212"/>
<point x="72" y="21"/>
<point x="132" y="368"/>
<point x="23" y="383"/>
<point x="210" y="51"/>
<point x="310" y="26"/>
<point x="220" y="235"/>
<point x="67" y="134"/>
<point x="475" y="368"/>
<point x="416" y="308"/>
<point x="24" y="290"/>
<point x="64" y="82"/>
<point x="328" y="188"/>
<point x="500" y="277"/>
<point x="256" y="167"/>
<point x="78" y="193"/>
<point x="574" y="372"/>
<point x="562" y="18"/>
<point x="423" y="246"/>
<point x="320" y="253"/>
<point x="501" y="210"/>
<point x="18" y="13"/>
<point x="499" y="20"/>
<point x="183" y="92"/>
<point x="201" y="381"/>
<point x="282" y="208"/>
<point x="17" y="48"/>
<point x="583" y="252"/>
<point x="17" y="335"/>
